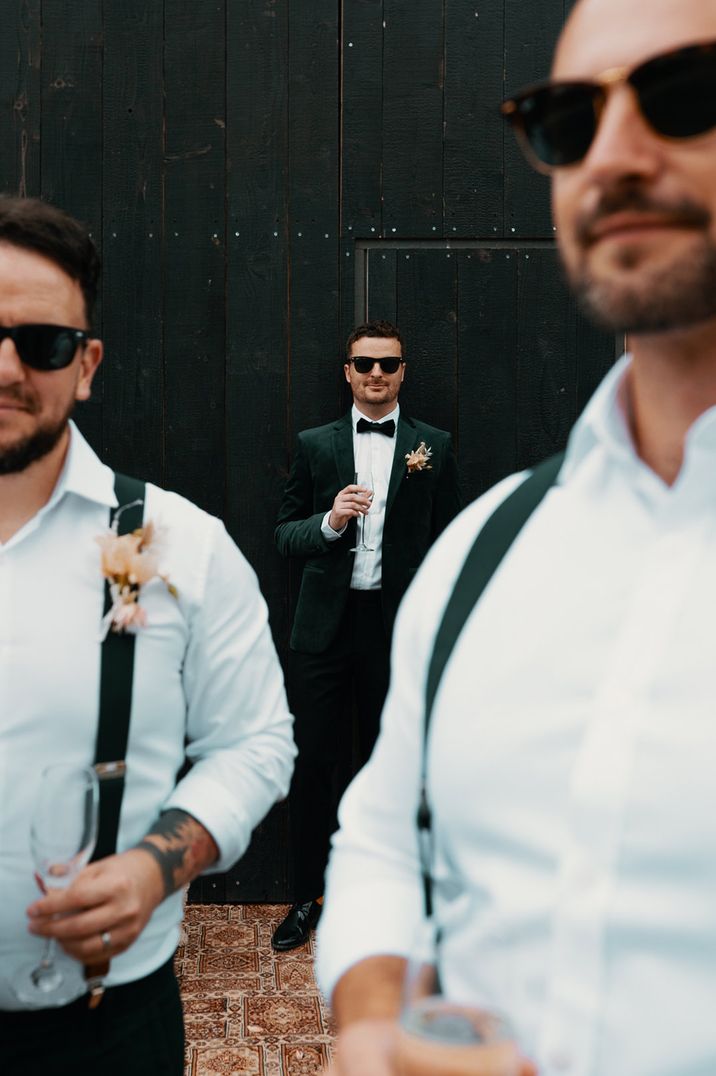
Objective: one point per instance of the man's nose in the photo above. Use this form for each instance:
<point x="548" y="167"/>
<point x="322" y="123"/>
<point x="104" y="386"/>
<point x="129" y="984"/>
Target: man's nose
<point x="624" y="145"/>
<point x="12" y="369"/>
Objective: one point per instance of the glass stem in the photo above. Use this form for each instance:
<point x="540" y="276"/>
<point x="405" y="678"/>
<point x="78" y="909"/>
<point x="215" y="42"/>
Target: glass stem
<point x="48" y="954"/>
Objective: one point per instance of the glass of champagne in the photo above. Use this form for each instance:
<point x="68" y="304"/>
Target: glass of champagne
<point x="365" y="479"/>
<point x="63" y="833"/>
<point x="451" y="1037"/>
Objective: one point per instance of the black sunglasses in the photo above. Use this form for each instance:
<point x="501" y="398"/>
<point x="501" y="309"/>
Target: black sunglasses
<point x="556" y="122"/>
<point x="364" y="364"/>
<point x="45" y="347"/>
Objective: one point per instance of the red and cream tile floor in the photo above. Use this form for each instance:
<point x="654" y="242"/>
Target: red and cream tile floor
<point x="249" y="1011"/>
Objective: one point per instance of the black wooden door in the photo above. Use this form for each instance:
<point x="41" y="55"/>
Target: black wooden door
<point x="262" y="174"/>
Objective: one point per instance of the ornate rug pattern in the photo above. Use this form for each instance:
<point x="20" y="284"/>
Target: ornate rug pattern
<point x="248" y="1011"/>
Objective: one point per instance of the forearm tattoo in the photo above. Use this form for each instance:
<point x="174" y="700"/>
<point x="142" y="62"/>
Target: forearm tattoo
<point x="181" y="846"/>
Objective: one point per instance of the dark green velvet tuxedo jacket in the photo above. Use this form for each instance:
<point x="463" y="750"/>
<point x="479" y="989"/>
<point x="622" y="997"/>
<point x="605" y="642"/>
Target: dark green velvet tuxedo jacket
<point x="418" y="508"/>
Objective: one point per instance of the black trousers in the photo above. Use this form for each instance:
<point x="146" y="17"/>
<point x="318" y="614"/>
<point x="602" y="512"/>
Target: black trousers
<point x="324" y="692"/>
<point x="137" y="1030"/>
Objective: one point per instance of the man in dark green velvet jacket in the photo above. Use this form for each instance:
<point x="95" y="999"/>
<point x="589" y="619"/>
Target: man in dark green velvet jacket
<point x="366" y="497"/>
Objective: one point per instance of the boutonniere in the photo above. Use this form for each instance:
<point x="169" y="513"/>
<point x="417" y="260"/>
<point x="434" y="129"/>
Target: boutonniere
<point x="128" y="562"/>
<point x="417" y="460"/>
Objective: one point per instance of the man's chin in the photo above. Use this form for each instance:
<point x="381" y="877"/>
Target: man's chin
<point x="18" y="455"/>
<point x="637" y="302"/>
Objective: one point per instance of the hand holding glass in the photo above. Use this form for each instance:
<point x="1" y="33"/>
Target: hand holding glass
<point x="62" y="838"/>
<point x="364" y="479"/>
<point x="438" y="1035"/>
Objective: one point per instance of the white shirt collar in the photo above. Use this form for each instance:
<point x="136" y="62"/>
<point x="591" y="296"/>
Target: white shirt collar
<point x="604" y="424"/>
<point x="356" y="414"/>
<point x="84" y="474"/>
<point x="603" y="421"/>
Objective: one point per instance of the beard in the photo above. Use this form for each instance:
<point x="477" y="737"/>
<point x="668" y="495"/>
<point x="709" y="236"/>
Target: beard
<point x="17" y="457"/>
<point x="676" y="298"/>
<point x="637" y="299"/>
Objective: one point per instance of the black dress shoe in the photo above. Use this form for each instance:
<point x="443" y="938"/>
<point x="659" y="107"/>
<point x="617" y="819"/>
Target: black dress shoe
<point x="296" y="927"/>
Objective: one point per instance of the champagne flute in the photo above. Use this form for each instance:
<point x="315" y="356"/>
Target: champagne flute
<point x="63" y="833"/>
<point x="363" y="478"/>
<point x="451" y="1037"/>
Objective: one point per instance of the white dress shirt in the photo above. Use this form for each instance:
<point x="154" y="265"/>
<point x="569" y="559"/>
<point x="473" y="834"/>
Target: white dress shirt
<point x="571" y="769"/>
<point x="205" y="667"/>
<point x="373" y="454"/>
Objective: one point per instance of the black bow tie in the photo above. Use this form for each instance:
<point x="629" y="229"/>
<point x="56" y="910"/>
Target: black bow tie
<point x="364" y="426"/>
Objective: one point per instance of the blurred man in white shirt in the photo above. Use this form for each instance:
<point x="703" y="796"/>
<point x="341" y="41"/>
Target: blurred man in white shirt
<point x="206" y="687"/>
<point x="571" y="745"/>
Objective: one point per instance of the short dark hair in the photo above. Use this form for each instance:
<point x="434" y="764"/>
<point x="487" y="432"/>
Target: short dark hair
<point x="35" y="225"/>
<point x="382" y="329"/>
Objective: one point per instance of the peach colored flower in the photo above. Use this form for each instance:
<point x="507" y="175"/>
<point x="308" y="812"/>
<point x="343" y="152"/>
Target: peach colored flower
<point x="417" y="460"/>
<point x="128" y="561"/>
<point x="128" y="556"/>
<point x="129" y="614"/>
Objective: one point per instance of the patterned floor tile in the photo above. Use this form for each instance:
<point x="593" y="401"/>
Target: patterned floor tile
<point x="240" y="934"/>
<point x="295" y="975"/>
<point x="201" y="1006"/>
<point x="206" y="1030"/>
<point x="282" y="1016"/>
<point x="303" y="1060"/>
<point x="249" y="1011"/>
<point x="228" y="962"/>
<point x="228" y="1061"/>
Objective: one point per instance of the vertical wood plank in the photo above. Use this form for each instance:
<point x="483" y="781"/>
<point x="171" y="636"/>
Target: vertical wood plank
<point x="132" y="238"/>
<point x="530" y="34"/>
<point x="20" y="60"/>
<point x="382" y="285"/>
<point x="362" y="118"/>
<point x="348" y="265"/>
<point x="474" y="129"/>
<point x="597" y="352"/>
<point x="257" y="285"/>
<point x="546" y="365"/>
<point x="488" y="368"/>
<point x="314" y="321"/>
<point x="72" y="137"/>
<point x="361" y="162"/>
<point x="427" y="317"/>
<point x="194" y="300"/>
<point x="413" y="84"/>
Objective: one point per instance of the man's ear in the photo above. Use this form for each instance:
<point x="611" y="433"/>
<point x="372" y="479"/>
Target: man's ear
<point x="347" y="371"/>
<point x="90" y="359"/>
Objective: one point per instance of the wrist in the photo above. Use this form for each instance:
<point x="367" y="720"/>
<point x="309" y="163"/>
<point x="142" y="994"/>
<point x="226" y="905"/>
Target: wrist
<point x="149" y="860"/>
<point x="371" y="990"/>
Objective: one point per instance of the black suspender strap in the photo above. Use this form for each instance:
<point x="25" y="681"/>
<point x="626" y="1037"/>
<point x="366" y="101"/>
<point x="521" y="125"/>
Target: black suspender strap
<point x="115" y="692"/>
<point x="115" y="711"/>
<point x="485" y="556"/>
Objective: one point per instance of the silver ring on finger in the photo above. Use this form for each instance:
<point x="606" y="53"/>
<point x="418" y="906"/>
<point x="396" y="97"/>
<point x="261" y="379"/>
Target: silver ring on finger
<point x="106" y="940"/>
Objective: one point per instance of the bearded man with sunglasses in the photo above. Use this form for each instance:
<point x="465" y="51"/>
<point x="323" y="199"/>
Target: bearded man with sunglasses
<point x="196" y="675"/>
<point x="349" y="595"/>
<point x="567" y="814"/>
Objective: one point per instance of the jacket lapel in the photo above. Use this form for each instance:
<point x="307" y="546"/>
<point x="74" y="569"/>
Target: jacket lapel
<point x="404" y="443"/>
<point x="343" y="450"/>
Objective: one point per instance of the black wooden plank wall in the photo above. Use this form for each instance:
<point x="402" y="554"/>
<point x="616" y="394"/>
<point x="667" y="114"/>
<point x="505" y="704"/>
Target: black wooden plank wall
<point x="259" y="174"/>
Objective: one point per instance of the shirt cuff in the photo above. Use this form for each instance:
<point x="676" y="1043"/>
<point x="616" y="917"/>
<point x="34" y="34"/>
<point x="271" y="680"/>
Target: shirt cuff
<point x="218" y="812"/>
<point x="383" y="915"/>
<point x="327" y="530"/>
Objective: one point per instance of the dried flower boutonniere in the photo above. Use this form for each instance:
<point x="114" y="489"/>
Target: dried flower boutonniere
<point x="128" y="562"/>
<point x="417" y="460"/>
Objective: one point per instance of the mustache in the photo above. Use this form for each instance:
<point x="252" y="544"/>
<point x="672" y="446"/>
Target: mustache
<point x="17" y="396"/>
<point x="635" y="200"/>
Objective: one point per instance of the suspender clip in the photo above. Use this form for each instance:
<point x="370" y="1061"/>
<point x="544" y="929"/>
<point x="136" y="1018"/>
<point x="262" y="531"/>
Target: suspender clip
<point x="107" y="771"/>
